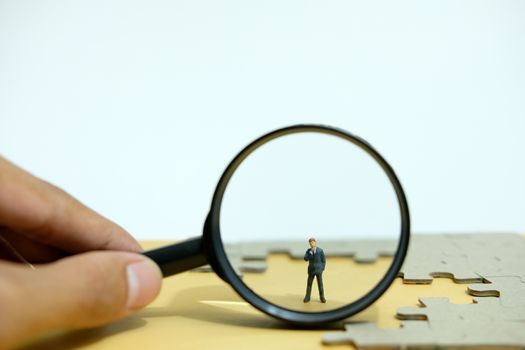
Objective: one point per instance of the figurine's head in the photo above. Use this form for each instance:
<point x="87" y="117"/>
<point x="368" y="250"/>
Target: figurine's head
<point x="312" y="242"/>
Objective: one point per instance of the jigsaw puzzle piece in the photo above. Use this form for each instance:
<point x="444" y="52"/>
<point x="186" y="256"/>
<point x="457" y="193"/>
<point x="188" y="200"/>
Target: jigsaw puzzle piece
<point x="250" y="256"/>
<point x="509" y="289"/>
<point x="491" y="254"/>
<point x="368" y="251"/>
<point x="363" y="251"/>
<point x="464" y="329"/>
<point x="467" y="258"/>
<point x="489" y="322"/>
<point x="437" y="310"/>
<point x="259" y="250"/>
<point x="238" y="262"/>
<point x="423" y="335"/>
<point x="427" y="259"/>
<point x="367" y="335"/>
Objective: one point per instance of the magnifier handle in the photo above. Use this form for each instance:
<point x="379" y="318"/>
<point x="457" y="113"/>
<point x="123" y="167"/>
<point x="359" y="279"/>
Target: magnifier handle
<point x="178" y="257"/>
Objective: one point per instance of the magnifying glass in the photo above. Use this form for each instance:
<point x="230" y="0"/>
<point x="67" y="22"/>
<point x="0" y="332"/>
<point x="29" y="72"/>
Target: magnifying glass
<point x="308" y="224"/>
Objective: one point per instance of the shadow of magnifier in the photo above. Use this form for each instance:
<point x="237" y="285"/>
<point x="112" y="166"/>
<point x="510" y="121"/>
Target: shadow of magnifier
<point x="284" y="189"/>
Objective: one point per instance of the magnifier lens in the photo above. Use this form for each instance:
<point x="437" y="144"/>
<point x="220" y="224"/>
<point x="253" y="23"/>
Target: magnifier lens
<point x="310" y="185"/>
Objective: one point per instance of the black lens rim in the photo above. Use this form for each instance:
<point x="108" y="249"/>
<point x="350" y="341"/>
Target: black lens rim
<point x="222" y="265"/>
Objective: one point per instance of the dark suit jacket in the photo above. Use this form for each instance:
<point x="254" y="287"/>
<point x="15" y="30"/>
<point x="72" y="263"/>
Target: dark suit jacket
<point x="316" y="262"/>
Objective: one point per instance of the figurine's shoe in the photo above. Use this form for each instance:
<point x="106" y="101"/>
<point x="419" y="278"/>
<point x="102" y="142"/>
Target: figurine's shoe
<point x="323" y="300"/>
<point x="306" y="299"/>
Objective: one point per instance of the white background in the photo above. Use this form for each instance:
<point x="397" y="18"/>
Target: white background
<point x="135" y="107"/>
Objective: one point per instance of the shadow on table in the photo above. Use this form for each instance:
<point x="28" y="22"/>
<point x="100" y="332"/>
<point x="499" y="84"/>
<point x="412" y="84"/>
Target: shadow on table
<point x="68" y="340"/>
<point x="219" y="304"/>
<point x="209" y="304"/>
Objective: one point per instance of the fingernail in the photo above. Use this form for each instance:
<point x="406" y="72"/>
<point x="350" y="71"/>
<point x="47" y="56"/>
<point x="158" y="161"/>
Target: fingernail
<point x="144" y="281"/>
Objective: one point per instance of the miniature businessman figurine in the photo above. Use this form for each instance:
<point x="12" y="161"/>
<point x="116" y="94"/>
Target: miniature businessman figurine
<point x="316" y="263"/>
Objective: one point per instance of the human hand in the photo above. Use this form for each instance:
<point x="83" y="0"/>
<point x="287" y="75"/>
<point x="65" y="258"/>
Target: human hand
<point x="86" y="268"/>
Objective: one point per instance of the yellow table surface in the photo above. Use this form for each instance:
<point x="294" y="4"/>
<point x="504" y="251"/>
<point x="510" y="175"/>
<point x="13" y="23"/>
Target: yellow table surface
<point x="197" y="310"/>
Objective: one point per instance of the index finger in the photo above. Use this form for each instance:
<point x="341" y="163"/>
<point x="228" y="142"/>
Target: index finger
<point x="49" y="215"/>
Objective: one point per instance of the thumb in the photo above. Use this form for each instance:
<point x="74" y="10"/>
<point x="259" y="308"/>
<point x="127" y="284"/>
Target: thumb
<point x="83" y="290"/>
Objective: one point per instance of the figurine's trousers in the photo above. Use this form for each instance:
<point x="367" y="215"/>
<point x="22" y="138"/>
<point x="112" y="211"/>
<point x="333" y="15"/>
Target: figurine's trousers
<point x="319" y="277"/>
